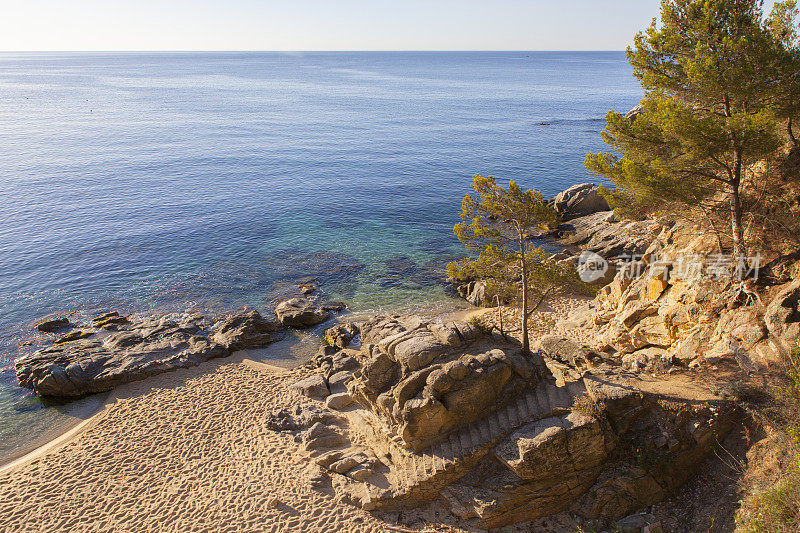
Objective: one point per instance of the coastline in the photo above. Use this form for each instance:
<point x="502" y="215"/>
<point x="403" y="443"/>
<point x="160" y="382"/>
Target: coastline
<point x="294" y="349"/>
<point x="190" y="447"/>
<point x="81" y="416"/>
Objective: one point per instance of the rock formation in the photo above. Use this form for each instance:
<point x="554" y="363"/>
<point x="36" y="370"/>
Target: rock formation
<point x="116" y="350"/>
<point x="49" y="326"/>
<point x="658" y="311"/>
<point x="605" y="235"/>
<point x="475" y="293"/>
<point x="419" y="380"/>
<point x="300" y="313"/>
<point x="590" y="225"/>
<point x="580" y="200"/>
<point x="442" y="409"/>
<point x="244" y="330"/>
<point x="341" y="335"/>
<point x="782" y="316"/>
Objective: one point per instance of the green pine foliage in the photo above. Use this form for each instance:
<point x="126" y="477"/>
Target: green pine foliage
<point x="783" y="27"/>
<point x="714" y="73"/>
<point x="496" y="224"/>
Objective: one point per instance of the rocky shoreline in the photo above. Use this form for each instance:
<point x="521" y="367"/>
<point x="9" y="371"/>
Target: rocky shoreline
<point x="426" y="409"/>
<point x="110" y="350"/>
<point x="605" y="418"/>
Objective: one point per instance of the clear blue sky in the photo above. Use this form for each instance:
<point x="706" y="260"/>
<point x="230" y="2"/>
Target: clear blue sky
<point x="322" y="24"/>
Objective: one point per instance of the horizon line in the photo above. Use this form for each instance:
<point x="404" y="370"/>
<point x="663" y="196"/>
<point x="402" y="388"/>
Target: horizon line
<point x="180" y="51"/>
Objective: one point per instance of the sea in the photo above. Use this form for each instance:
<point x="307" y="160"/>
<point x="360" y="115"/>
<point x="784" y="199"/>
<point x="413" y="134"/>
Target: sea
<point x="170" y="182"/>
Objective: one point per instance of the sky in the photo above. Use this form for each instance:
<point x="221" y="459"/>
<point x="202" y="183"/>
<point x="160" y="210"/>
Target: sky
<point x="301" y="25"/>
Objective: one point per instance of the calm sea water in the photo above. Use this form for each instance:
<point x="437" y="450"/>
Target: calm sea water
<point x="211" y="181"/>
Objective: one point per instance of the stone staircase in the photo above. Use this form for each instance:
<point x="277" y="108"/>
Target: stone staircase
<point x="418" y="477"/>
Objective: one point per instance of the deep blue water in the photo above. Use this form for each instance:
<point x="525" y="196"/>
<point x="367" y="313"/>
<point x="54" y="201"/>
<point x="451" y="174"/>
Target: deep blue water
<point x="212" y="181"/>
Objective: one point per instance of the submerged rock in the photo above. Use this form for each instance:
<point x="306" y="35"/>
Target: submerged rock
<point x="49" y="326"/>
<point x="322" y="266"/>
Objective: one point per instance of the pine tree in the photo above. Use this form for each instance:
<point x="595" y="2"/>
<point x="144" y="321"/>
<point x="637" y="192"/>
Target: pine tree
<point x="709" y="76"/>
<point x="496" y="225"/>
<point x="782" y="24"/>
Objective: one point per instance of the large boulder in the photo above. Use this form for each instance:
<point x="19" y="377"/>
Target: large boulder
<point x="561" y="446"/>
<point x="145" y="347"/>
<point x="566" y="351"/>
<point x="475" y="293"/>
<point x="580" y="200"/>
<point x="783" y="315"/>
<point x="300" y="313"/>
<point x="245" y="330"/>
<point x="313" y="387"/>
<point x="423" y="384"/>
<point x="340" y="335"/>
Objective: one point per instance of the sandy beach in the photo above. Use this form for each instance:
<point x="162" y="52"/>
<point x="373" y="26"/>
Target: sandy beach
<point x="190" y="451"/>
<point x="184" y="451"/>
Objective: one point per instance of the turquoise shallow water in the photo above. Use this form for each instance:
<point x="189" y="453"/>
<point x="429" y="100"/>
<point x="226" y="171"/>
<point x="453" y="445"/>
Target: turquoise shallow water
<point x="211" y="181"/>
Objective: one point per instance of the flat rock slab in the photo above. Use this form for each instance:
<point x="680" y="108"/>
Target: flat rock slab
<point x="97" y="360"/>
<point x="603" y="234"/>
<point x="312" y="387"/>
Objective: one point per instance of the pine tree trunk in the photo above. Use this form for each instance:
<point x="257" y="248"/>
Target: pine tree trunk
<point x="790" y="130"/>
<point x="526" y="349"/>
<point x="737" y="231"/>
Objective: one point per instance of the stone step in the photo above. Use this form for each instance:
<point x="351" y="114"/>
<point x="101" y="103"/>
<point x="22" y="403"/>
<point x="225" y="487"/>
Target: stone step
<point x="438" y="462"/>
<point x="413" y="470"/>
<point x="522" y="409"/>
<point x="494" y="425"/>
<point x="424" y="466"/>
<point x="445" y="449"/>
<point x="564" y="397"/>
<point x="484" y="429"/>
<point x="416" y="468"/>
<point x="543" y="399"/>
<point x="475" y="434"/>
<point x="512" y="413"/>
<point x="533" y="405"/>
<point x="455" y="445"/>
<point x="466" y="441"/>
<point x="504" y="416"/>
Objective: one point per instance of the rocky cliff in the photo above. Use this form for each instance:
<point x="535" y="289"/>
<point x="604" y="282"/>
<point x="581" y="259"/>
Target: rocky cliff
<point x="445" y="410"/>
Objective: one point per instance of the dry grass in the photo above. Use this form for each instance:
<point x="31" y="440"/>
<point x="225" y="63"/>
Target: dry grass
<point x="772" y="480"/>
<point x="585" y="405"/>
